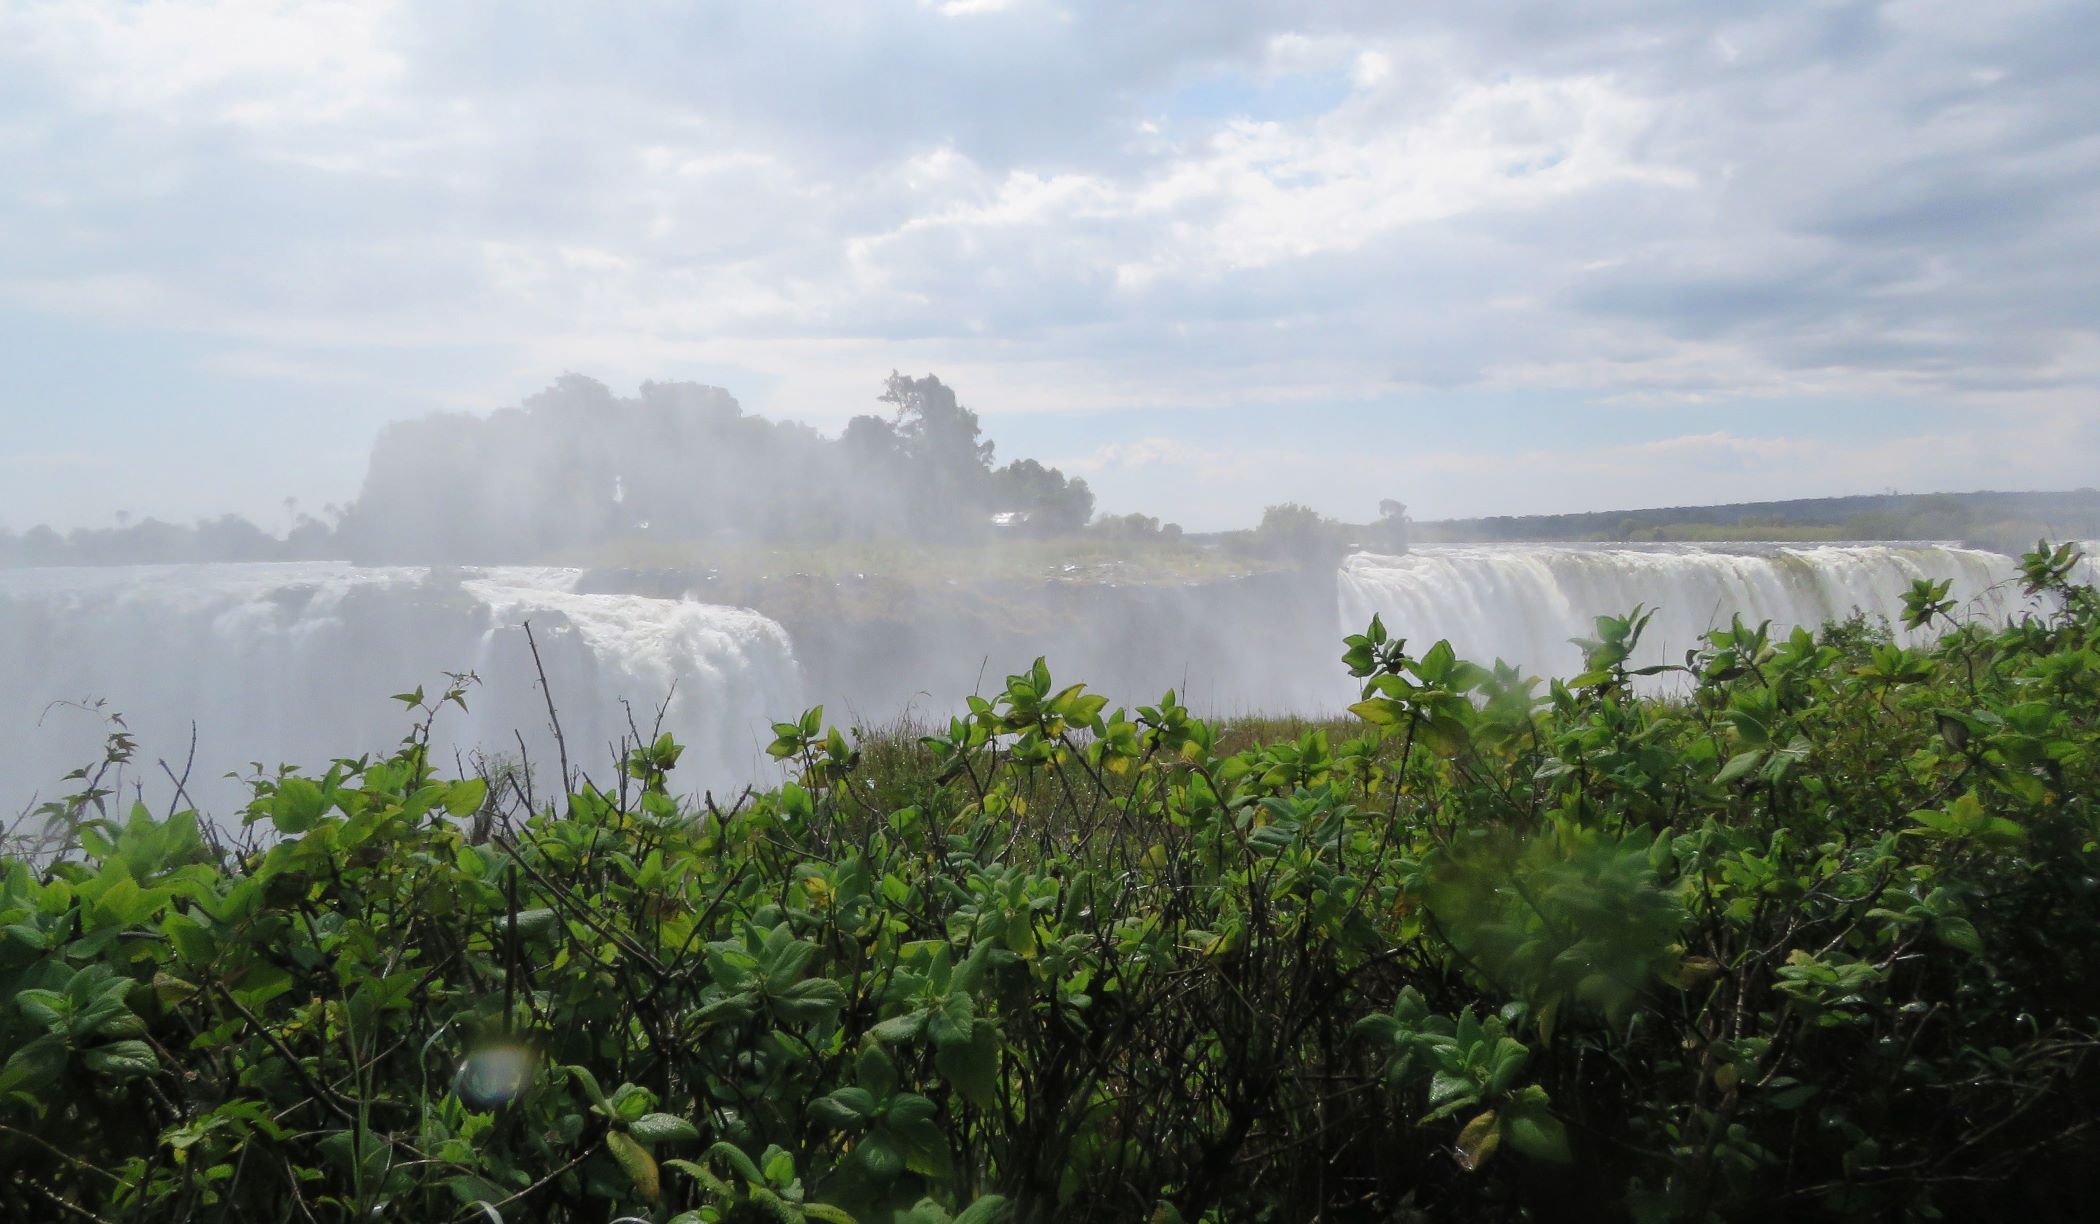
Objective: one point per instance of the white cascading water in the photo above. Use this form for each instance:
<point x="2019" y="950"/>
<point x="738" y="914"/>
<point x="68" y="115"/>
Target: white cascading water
<point x="1523" y="603"/>
<point x="296" y="663"/>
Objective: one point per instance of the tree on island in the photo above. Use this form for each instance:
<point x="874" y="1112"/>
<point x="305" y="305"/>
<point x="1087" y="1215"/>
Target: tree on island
<point x="936" y="445"/>
<point x="577" y="468"/>
<point x="1394" y="527"/>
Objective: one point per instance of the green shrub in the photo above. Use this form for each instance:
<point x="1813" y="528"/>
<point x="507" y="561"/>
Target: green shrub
<point x="1814" y="938"/>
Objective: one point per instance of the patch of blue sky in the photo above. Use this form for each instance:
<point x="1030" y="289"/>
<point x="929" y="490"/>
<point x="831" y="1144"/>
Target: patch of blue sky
<point x="1227" y="96"/>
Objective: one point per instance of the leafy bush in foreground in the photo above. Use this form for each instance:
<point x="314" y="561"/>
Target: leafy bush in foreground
<point x="1815" y="938"/>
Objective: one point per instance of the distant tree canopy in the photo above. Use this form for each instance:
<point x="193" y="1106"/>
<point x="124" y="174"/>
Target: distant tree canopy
<point x="1393" y="528"/>
<point x="577" y="465"/>
<point x="153" y="542"/>
<point x="933" y="452"/>
<point x="1291" y="531"/>
<point x="1134" y="527"/>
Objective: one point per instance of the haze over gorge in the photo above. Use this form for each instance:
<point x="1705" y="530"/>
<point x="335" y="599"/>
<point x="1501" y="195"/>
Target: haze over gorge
<point x="682" y="562"/>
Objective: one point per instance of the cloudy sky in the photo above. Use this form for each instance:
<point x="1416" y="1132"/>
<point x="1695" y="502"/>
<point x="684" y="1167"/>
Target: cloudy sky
<point x="1210" y="254"/>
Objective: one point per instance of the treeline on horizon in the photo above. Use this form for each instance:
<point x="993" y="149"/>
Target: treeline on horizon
<point x="578" y="474"/>
<point x="577" y="467"/>
<point x="2008" y="522"/>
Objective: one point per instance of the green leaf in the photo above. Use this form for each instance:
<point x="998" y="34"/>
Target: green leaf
<point x="901" y="1028"/>
<point x="954" y="1022"/>
<point x="923" y="1142"/>
<point x="172" y="991"/>
<point x="297" y="806"/>
<point x="663" y="1128"/>
<point x="629" y="1102"/>
<point x="1437" y="663"/>
<point x="125" y="904"/>
<point x="591" y="1090"/>
<point x="1446" y="1089"/>
<point x="1740" y="766"/>
<point x="706" y="1177"/>
<point x="191" y="940"/>
<point x="973" y="1066"/>
<point x="875" y="1071"/>
<point x="739" y="1161"/>
<point x="35" y="1064"/>
<point x="1379" y="1027"/>
<point x="47" y="1008"/>
<point x="1534" y="1131"/>
<point x="1478" y="1140"/>
<point x="121" y="1060"/>
<point x="635" y="1161"/>
<point x="1754" y="730"/>
<point x="809" y="1001"/>
<point x="465" y="797"/>
<point x="534" y="921"/>
<point x="1960" y="933"/>
<point x="844" y="1109"/>
<point x="880" y="1157"/>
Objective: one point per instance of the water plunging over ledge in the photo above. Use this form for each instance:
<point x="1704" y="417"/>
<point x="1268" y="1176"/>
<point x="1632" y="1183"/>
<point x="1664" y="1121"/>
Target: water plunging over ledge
<point x="294" y="662"/>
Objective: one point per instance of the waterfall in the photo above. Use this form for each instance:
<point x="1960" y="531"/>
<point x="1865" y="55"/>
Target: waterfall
<point x="295" y="663"/>
<point x="1522" y="603"/>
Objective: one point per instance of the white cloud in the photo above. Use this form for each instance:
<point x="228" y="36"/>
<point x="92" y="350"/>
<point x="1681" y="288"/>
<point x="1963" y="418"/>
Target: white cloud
<point x="1281" y="191"/>
<point x="1078" y="206"/>
<point x="252" y="62"/>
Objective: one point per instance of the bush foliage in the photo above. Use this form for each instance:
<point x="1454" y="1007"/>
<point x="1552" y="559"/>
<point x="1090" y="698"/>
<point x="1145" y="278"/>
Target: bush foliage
<point x="1812" y="936"/>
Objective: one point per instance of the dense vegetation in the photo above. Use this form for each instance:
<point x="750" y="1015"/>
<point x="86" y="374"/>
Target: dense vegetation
<point x="683" y="462"/>
<point x="1813" y="937"/>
